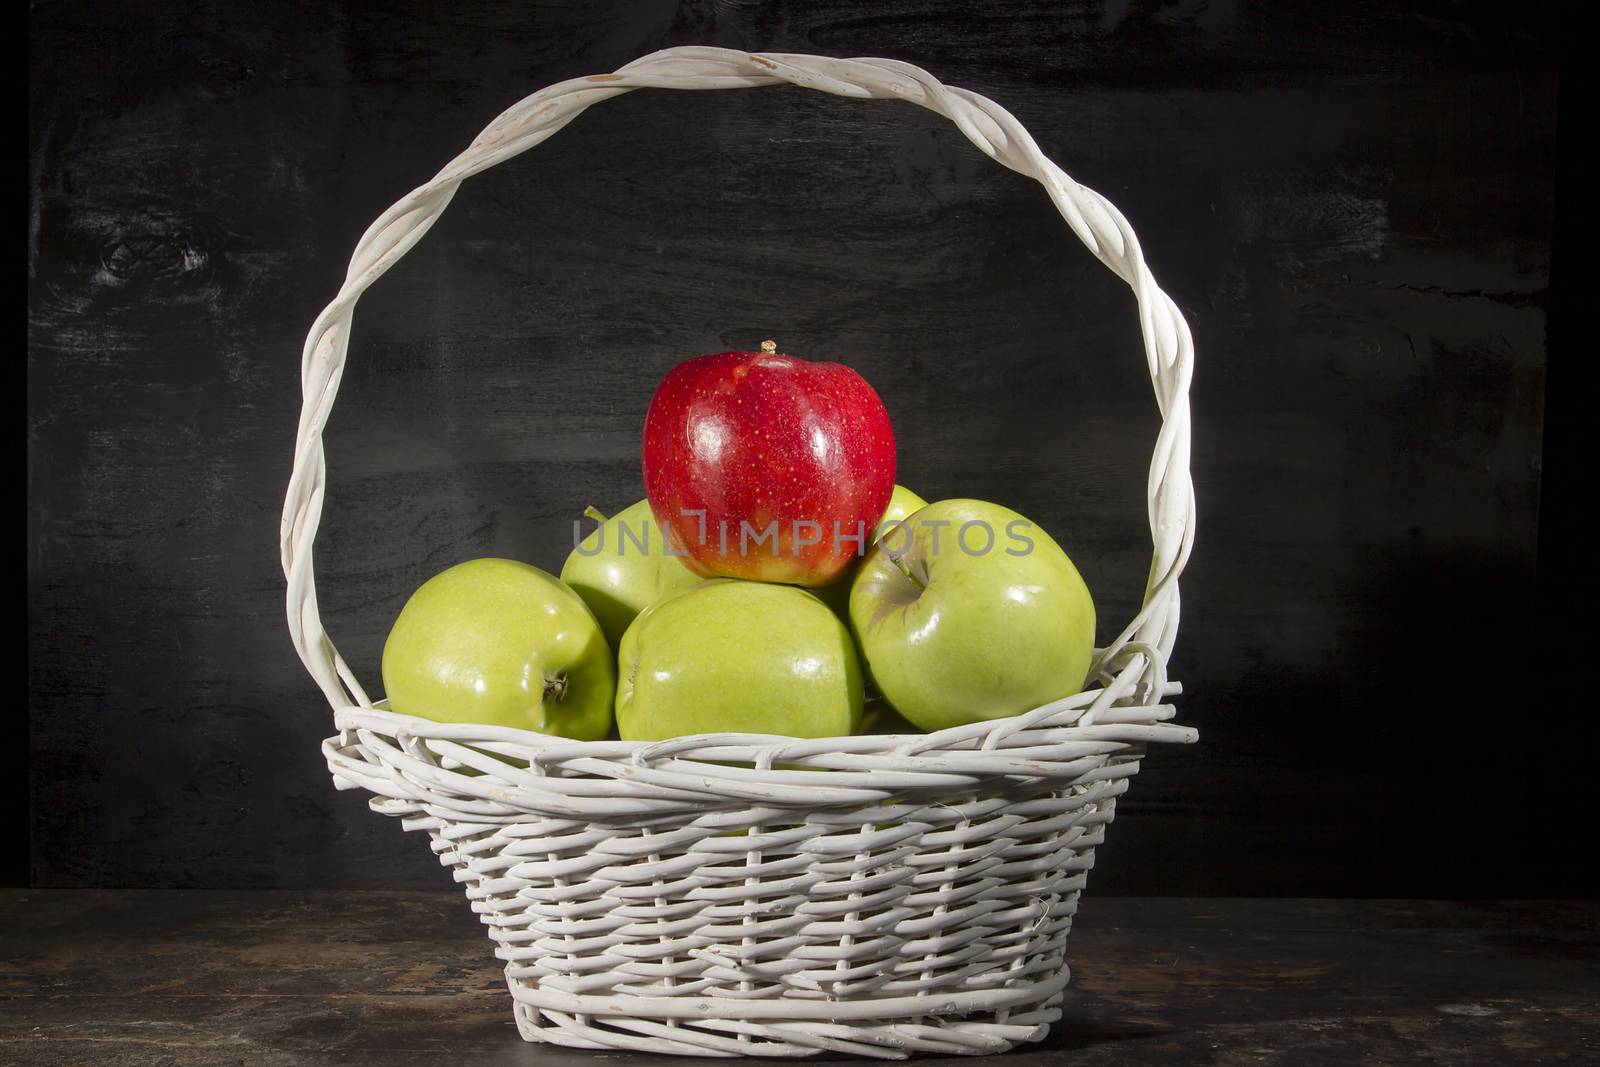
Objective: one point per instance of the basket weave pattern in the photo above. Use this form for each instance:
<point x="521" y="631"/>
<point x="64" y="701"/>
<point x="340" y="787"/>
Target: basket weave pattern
<point x="757" y="895"/>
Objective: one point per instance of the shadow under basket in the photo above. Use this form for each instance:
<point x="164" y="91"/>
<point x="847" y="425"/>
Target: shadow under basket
<point x="752" y="895"/>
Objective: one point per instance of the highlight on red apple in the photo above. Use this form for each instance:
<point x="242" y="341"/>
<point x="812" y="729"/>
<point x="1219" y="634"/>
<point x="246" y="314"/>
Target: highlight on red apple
<point x="763" y="466"/>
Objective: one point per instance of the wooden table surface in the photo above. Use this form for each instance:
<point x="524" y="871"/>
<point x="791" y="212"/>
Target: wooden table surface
<point x="269" y="978"/>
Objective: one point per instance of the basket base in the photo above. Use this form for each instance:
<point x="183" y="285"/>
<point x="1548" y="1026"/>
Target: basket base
<point x="876" y="1033"/>
<point x="856" y="945"/>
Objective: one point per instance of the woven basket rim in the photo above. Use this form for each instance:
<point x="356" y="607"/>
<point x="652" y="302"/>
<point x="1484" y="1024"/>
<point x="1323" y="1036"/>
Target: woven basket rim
<point x="1131" y="670"/>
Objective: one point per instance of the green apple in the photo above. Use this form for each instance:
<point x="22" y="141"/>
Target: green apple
<point x="503" y="643"/>
<point x="623" y="567"/>
<point x="730" y="656"/>
<point x="902" y="502"/>
<point x="977" y="614"/>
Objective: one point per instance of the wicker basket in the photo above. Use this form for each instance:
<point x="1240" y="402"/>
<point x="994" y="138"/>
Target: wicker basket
<point x="758" y="895"/>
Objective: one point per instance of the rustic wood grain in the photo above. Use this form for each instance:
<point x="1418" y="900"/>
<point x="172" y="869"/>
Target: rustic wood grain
<point x="1353" y="209"/>
<point x="276" y="978"/>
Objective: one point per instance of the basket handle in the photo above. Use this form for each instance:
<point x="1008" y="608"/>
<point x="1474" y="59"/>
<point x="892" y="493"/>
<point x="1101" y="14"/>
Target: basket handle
<point x="1143" y="645"/>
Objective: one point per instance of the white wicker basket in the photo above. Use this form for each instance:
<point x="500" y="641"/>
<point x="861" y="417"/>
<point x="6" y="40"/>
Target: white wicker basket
<point x="757" y="895"/>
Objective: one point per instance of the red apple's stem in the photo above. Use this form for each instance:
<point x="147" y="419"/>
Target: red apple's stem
<point x="769" y="347"/>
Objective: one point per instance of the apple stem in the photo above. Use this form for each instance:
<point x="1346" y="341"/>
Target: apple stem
<point x="769" y="347"/>
<point x="555" y="688"/>
<point x="595" y="513"/>
<point x="905" y="569"/>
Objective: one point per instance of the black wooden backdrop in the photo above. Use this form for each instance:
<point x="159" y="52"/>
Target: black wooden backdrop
<point x="1352" y="203"/>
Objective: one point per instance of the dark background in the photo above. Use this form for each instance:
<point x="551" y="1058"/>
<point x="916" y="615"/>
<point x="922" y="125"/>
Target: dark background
<point x="1352" y="203"/>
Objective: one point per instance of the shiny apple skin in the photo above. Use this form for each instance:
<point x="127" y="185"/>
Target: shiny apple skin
<point x="968" y="637"/>
<point x="738" y="657"/>
<point x="502" y="643"/>
<point x="757" y="438"/>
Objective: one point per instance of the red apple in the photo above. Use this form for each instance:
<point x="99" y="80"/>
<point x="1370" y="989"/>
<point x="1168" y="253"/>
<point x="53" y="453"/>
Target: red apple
<point x="763" y="466"/>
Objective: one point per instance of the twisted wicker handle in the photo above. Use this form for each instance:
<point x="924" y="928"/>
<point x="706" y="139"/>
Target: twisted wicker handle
<point x="1141" y="650"/>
